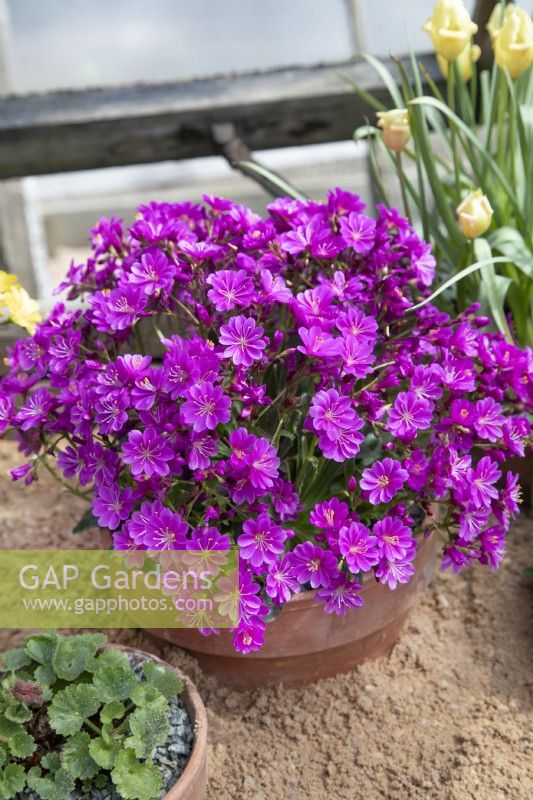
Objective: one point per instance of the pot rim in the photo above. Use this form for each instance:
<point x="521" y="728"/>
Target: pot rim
<point x="198" y="716"/>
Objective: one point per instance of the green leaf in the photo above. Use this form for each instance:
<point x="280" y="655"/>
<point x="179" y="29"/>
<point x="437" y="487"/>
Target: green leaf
<point x="387" y="79"/>
<point x="21" y="744"/>
<point x="88" y="520"/>
<point x="149" y="727"/>
<point x="134" y="780"/>
<point x="105" y="753"/>
<point x="41" y="647"/>
<point x="115" y="683"/>
<point x="73" y="654"/>
<point x="3" y="753"/>
<point x="45" y="674"/>
<point x="111" y="711"/>
<point x="12" y="780"/>
<point x="494" y="288"/>
<point x="51" y="761"/>
<point x="284" y="187"/>
<point x="166" y="680"/>
<point x="456" y="278"/>
<point x="143" y="694"/>
<point x="110" y="657"/>
<point x="14" y="659"/>
<point x="18" y="712"/>
<point x="8" y="727"/>
<point x="77" y="758"/>
<point x="57" y="787"/>
<point x="71" y="707"/>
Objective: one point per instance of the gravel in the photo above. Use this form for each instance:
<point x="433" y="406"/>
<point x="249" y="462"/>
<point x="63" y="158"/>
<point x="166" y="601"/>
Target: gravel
<point x="171" y="758"/>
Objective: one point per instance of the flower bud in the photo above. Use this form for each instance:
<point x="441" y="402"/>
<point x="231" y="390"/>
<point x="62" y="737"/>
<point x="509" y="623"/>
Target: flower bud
<point x="513" y="40"/>
<point x="464" y="61"/>
<point x="450" y="28"/>
<point x="351" y="484"/>
<point x="395" y="127"/>
<point x="474" y="214"/>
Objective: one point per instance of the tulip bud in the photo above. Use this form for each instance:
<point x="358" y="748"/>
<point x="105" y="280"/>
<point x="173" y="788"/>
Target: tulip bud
<point x="513" y="40"/>
<point x="464" y="61"/>
<point x="395" y="127"/>
<point x="474" y="214"/>
<point x="450" y="28"/>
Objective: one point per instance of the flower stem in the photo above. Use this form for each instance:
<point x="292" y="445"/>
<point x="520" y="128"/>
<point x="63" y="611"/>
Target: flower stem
<point x="403" y="186"/>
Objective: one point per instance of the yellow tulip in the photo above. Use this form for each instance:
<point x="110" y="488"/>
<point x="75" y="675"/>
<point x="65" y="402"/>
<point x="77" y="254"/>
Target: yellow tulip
<point x="395" y="127"/>
<point x="23" y="310"/>
<point x="7" y="280"/>
<point x="464" y="61"/>
<point x="513" y="41"/>
<point x="450" y="28"/>
<point x="474" y="214"/>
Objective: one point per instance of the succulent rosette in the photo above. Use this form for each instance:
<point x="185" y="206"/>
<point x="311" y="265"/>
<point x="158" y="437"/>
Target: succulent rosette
<point x="300" y="408"/>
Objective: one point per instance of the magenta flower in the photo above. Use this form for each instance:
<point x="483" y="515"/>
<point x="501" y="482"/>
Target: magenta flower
<point x="515" y="432"/>
<point x="472" y="521"/>
<point x="347" y="444"/>
<point x="230" y="289"/>
<point x="119" y="309"/>
<point x="111" y="412"/>
<point x="426" y="382"/>
<point x="261" y="541"/>
<point x="263" y="464"/>
<point x="489" y="419"/>
<point x="243" y="340"/>
<point x="383" y="480"/>
<point x="481" y="482"/>
<point x="281" y="581"/>
<point x="330" y="515"/>
<point x="153" y="272"/>
<point x="275" y="288"/>
<point x="357" y="356"/>
<point x="409" y="414"/>
<point x="147" y="453"/>
<point x="492" y="546"/>
<point x="35" y="410"/>
<point x="358" y="232"/>
<point x="394" y="539"/>
<point x="250" y="634"/>
<point x="394" y="572"/>
<point x="359" y="547"/>
<point x="318" y="344"/>
<point x="112" y="505"/>
<point x="313" y="565"/>
<point x="206" y="407"/>
<point x="331" y="413"/>
<point x="341" y="595"/>
<point x="203" y="448"/>
<point x="166" y="531"/>
<point x="356" y="323"/>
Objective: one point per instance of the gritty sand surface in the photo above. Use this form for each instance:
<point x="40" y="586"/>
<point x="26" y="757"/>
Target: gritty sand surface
<point x="446" y="716"/>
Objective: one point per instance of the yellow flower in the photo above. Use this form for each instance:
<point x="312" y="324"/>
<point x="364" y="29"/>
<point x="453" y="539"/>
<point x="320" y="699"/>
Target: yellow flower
<point x="395" y="127"/>
<point x="512" y="40"/>
<point x="6" y="280"/>
<point x="474" y="214"/>
<point x="450" y="28"/>
<point x="464" y="61"/>
<point x="23" y="310"/>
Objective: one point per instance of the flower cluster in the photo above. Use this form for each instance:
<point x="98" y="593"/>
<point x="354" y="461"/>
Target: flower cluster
<point x="299" y="406"/>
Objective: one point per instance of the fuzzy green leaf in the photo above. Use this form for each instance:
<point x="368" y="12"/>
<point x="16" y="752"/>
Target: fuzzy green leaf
<point x="21" y="744"/>
<point x="8" y="727"/>
<point x="12" y="780"/>
<point x="168" y="683"/>
<point x="134" y="780"/>
<point x="51" y="762"/>
<point x="71" y="706"/>
<point x="14" y="659"/>
<point x="115" y="683"/>
<point x="41" y="647"/>
<point x="105" y="753"/>
<point x="149" y="727"/>
<point x="111" y="711"/>
<point x="108" y="658"/>
<point x="18" y="712"/>
<point x="77" y="758"/>
<point x="57" y="787"/>
<point x="3" y="753"/>
<point x="74" y="653"/>
<point x="143" y="694"/>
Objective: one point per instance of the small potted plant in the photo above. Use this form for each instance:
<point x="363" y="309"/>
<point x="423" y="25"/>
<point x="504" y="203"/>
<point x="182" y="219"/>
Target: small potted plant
<point x="311" y="406"/>
<point x="79" y="719"/>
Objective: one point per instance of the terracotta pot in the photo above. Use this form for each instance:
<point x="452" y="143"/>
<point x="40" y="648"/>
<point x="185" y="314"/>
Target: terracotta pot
<point x="191" y="784"/>
<point x="304" y="644"/>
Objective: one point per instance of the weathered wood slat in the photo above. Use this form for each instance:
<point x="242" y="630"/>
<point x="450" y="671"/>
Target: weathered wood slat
<point x="73" y="130"/>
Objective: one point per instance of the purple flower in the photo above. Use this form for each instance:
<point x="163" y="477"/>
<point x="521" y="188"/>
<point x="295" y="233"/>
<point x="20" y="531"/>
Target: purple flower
<point x="203" y="449"/>
<point x="358" y="547"/>
<point x="314" y="565"/>
<point x="394" y="572"/>
<point x="394" y="539"/>
<point x="250" y="635"/>
<point x="356" y="323"/>
<point x="166" y="531"/>
<point x="481" y="482"/>
<point x="261" y="541"/>
<point x="206" y="407"/>
<point x="347" y="444"/>
<point x="489" y="419"/>
<point x="383" y="480"/>
<point x="358" y="232"/>
<point x="7" y="407"/>
<point x="230" y="288"/>
<point x="341" y="595"/>
<point x="318" y="344"/>
<point x="409" y="414"/>
<point x="492" y="546"/>
<point x="472" y="521"/>
<point x="112" y="505"/>
<point x="153" y="272"/>
<point x="275" y="289"/>
<point x="35" y="410"/>
<point x="281" y="582"/>
<point x="330" y="515"/>
<point x="119" y="309"/>
<point x="285" y="499"/>
<point x="263" y="464"/>
<point x="426" y="382"/>
<point x="357" y="356"/>
<point x="515" y="432"/>
<point x="111" y="413"/>
<point x="424" y="263"/>
<point x="243" y="340"/>
<point x="147" y="453"/>
<point x="331" y="413"/>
